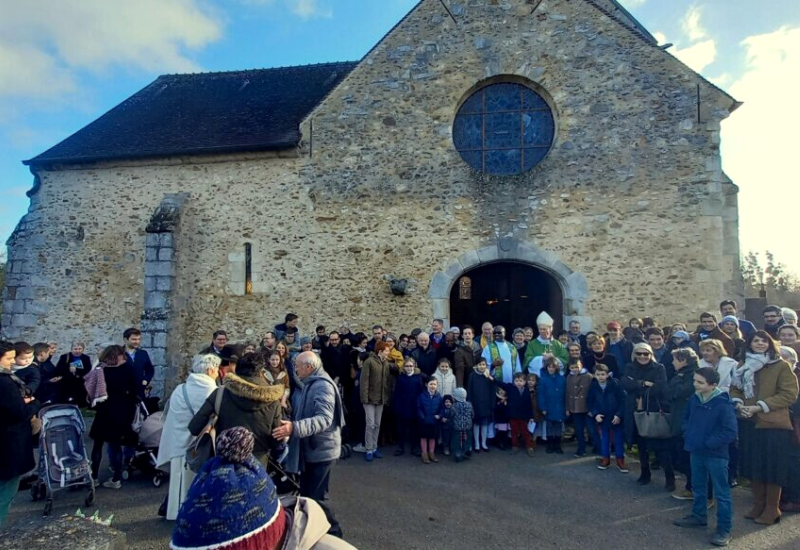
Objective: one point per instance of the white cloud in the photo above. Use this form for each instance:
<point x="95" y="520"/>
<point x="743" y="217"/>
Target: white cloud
<point x="44" y="45"/>
<point x="691" y="25"/>
<point x="697" y="56"/>
<point x="759" y="145"/>
<point x="310" y="8"/>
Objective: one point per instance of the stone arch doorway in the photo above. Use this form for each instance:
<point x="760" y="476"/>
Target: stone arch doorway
<point x="511" y="294"/>
<point x="508" y="251"/>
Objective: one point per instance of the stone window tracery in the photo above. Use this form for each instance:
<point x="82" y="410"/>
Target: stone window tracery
<point x="504" y="129"/>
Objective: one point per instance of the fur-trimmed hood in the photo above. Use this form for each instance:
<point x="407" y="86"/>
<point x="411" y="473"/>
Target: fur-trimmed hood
<point x="252" y="392"/>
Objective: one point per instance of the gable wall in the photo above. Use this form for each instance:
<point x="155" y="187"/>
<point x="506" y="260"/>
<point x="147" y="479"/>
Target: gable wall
<point x="630" y="195"/>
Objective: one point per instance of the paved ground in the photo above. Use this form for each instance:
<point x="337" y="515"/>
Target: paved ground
<point x="496" y="500"/>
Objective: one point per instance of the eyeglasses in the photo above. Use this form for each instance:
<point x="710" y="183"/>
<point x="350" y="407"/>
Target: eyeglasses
<point x="642" y="354"/>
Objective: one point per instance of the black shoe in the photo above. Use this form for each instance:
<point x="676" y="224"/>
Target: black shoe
<point x="399" y="452"/>
<point x="559" y="451"/>
<point x="643" y="480"/>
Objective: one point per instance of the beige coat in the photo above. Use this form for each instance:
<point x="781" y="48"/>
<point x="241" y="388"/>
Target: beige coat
<point x="307" y="527"/>
<point x="776" y="391"/>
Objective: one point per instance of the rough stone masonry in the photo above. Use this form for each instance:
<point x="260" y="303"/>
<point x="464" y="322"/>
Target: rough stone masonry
<point x="631" y="201"/>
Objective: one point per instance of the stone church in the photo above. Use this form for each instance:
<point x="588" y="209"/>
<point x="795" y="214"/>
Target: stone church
<point x="486" y="160"/>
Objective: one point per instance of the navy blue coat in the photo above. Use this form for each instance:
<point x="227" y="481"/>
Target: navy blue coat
<point x="609" y="402"/>
<point x="406" y="392"/>
<point x="552" y="396"/>
<point x="708" y="428"/>
<point x="480" y="392"/>
<point x="142" y="369"/>
<point x="520" y="406"/>
<point x="429" y="406"/>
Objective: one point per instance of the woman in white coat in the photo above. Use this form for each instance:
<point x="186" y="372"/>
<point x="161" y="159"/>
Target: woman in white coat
<point x="185" y="401"/>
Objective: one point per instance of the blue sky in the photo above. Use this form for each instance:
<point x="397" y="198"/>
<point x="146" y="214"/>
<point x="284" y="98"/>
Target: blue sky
<point x="63" y="64"/>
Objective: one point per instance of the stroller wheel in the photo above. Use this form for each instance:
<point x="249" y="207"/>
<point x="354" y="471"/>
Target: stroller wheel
<point x="35" y="492"/>
<point x="48" y="507"/>
<point x="89" y="501"/>
<point x="126" y="474"/>
<point x="157" y="480"/>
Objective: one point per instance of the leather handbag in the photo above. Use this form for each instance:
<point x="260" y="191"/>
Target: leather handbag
<point x="653" y="425"/>
<point x="203" y="447"/>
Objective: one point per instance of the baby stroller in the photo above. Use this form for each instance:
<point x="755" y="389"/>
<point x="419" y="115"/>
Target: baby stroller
<point x="144" y="458"/>
<point x="63" y="461"/>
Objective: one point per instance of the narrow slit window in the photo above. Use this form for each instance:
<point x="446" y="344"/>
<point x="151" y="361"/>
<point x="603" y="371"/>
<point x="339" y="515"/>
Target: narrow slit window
<point x="248" y="268"/>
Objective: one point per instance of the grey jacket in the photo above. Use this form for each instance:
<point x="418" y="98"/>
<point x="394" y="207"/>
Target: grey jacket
<point x="318" y="419"/>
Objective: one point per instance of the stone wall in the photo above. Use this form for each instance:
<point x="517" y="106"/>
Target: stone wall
<point x="631" y="197"/>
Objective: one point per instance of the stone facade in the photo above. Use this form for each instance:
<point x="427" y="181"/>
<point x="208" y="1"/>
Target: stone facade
<point x="631" y="200"/>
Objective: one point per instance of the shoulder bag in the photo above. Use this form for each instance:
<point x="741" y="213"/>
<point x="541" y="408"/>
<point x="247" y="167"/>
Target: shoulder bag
<point x="653" y="425"/>
<point x="203" y="447"/>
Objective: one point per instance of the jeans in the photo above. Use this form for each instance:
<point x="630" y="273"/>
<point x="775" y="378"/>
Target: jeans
<point x="314" y="484"/>
<point x="582" y="422"/>
<point x="8" y="489"/>
<point x="114" y="457"/>
<point x="372" y="416"/>
<point x="607" y="431"/>
<point x="704" y="467"/>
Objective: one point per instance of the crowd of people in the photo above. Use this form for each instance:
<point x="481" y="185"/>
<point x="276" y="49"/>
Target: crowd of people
<point x="713" y="402"/>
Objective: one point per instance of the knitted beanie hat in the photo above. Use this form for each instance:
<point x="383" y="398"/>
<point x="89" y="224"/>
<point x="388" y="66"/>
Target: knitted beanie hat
<point x="460" y="395"/>
<point x="731" y="319"/>
<point x="448" y="397"/>
<point x="232" y="503"/>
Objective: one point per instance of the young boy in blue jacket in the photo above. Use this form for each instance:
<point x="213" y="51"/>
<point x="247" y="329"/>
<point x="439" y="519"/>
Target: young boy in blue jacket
<point x="709" y="427"/>
<point x="606" y="402"/>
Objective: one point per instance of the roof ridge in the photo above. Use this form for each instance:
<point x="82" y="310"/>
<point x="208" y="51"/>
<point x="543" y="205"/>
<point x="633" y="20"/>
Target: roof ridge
<point x="258" y="70"/>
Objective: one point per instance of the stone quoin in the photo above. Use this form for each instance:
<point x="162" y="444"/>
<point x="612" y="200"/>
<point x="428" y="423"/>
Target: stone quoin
<point x="224" y="200"/>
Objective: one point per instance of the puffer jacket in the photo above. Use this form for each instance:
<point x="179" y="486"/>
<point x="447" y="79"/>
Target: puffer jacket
<point x="250" y="402"/>
<point x="318" y="419"/>
<point x="429" y="406"/>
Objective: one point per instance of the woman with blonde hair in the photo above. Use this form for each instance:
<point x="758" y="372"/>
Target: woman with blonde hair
<point x="715" y="356"/>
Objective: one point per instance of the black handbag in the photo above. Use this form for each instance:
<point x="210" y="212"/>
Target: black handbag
<point x="203" y="447"/>
<point x="653" y="425"/>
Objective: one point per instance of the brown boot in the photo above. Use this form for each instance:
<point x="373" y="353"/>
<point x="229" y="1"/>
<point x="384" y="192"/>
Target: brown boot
<point x="425" y="458"/>
<point x="433" y="458"/>
<point x="759" y="497"/>
<point x="771" y="513"/>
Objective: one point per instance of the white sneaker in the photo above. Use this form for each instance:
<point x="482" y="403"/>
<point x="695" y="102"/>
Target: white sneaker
<point x="112" y="484"/>
<point x="360" y="448"/>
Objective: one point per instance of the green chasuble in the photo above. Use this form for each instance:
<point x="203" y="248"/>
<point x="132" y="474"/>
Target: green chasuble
<point x="536" y="348"/>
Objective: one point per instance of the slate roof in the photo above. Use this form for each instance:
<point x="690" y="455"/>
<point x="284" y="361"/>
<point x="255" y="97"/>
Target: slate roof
<point x="205" y="113"/>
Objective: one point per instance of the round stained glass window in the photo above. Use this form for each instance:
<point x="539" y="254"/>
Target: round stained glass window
<point x="504" y="129"/>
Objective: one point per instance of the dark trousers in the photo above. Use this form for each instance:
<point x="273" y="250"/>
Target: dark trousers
<point x="583" y="422"/>
<point x="407" y="432"/>
<point x="662" y="452"/>
<point x="519" y="429"/>
<point x="114" y="457"/>
<point x="460" y="443"/>
<point x="314" y="481"/>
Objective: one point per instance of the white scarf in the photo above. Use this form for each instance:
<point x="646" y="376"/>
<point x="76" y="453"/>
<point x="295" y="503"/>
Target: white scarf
<point x="744" y="377"/>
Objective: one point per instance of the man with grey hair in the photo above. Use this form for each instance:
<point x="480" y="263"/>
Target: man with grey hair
<point x="318" y="422"/>
<point x="424" y="354"/>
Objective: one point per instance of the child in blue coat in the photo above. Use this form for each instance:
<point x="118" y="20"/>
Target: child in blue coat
<point x="606" y="402"/>
<point x="430" y="407"/>
<point x="553" y="403"/>
<point x="709" y="428"/>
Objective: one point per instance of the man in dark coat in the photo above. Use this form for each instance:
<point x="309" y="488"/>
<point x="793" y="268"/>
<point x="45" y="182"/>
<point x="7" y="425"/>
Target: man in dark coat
<point x="138" y="360"/>
<point x="16" y="412"/>
<point x="218" y="341"/>
<point x="425" y="355"/>
<point x="773" y="320"/>
<point x="336" y="357"/>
